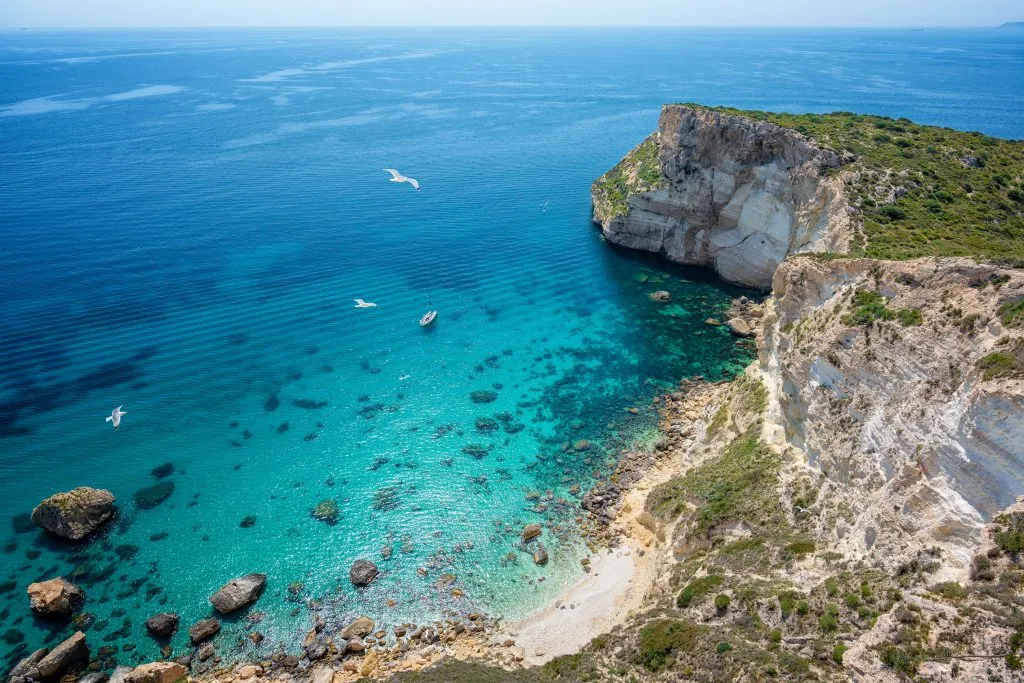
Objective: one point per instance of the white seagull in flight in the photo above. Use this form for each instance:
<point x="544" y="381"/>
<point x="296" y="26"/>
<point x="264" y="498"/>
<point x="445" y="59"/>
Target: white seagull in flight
<point x="397" y="177"/>
<point x="364" y="304"/>
<point x="115" y="416"/>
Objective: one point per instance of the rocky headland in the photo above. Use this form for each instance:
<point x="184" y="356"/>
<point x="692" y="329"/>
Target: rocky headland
<point x="847" y="509"/>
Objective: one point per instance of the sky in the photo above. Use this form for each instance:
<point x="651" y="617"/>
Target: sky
<point x="205" y="13"/>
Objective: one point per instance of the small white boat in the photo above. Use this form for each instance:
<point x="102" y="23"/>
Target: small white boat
<point x="428" y="318"/>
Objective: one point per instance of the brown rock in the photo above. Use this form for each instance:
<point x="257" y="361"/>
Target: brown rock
<point x="65" y="657"/>
<point x="157" y="672"/>
<point x="531" y="531"/>
<point x="362" y="626"/>
<point x="239" y="593"/>
<point x="55" y="597"/>
<point x="739" y="327"/>
<point x="363" y="572"/>
<point x="203" y="630"/>
<point x="76" y="513"/>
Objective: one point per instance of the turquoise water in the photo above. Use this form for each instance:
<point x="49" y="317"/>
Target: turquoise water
<point x="186" y="218"/>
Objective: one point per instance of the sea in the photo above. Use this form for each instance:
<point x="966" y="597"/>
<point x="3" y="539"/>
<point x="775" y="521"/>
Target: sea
<point x="186" y="219"/>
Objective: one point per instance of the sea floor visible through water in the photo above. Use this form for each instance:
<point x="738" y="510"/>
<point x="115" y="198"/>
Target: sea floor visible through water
<point x="188" y="216"/>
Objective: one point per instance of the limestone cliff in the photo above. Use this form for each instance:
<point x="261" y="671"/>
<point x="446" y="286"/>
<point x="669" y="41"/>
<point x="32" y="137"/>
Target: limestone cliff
<point x="879" y="372"/>
<point x="720" y="190"/>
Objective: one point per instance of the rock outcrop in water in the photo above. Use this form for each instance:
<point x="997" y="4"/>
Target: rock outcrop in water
<point x="54" y="598"/>
<point x="75" y="514"/>
<point x="239" y="593"/>
<point x="719" y="190"/>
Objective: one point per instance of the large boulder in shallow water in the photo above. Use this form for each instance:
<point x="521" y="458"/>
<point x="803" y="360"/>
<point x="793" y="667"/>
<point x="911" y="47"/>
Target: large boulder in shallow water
<point x="65" y="657"/>
<point x="54" y="598"/>
<point x="239" y="593"/>
<point x="203" y="629"/>
<point x="162" y="625"/>
<point x="157" y="672"/>
<point x="363" y="572"/>
<point x="360" y="628"/>
<point x="76" y="513"/>
<point x="149" y="497"/>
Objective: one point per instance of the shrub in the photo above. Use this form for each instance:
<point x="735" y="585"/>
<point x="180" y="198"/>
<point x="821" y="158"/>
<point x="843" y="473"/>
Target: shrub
<point x="697" y="589"/>
<point x="908" y="317"/>
<point x="803" y="608"/>
<point x="837" y="653"/>
<point x="898" y="659"/>
<point x="663" y="637"/>
<point x="852" y="600"/>
<point x="1009" y="363"/>
<point x="1012" y="313"/>
<point x="722" y="648"/>
<point x="801" y="547"/>
<point x="775" y="636"/>
<point x="829" y="621"/>
<point x="722" y="602"/>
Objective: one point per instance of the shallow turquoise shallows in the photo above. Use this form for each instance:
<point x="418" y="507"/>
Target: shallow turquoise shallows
<point x="186" y="218"/>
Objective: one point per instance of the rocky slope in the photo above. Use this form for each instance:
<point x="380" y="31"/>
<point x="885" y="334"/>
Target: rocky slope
<point x="721" y="190"/>
<point x="877" y="373"/>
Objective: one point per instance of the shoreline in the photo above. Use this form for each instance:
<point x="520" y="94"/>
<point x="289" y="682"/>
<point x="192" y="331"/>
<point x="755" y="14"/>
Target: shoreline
<point x="622" y="574"/>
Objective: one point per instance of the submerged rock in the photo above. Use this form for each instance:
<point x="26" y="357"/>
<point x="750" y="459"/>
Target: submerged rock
<point x="326" y="511"/>
<point x="55" y="597"/>
<point x="483" y="396"/>
<point x="76" y="513"/>
<point x="203" y="629"/>
<point x="162" y="625"/>
<point x="661" y="296"/>
<point x="149" y="497"/>
<point x="540" y="556"/>
<point x="363" y="572"/>
<point x="531" y="531"/>
<point x="157" y="672"/>
<point x="163" y="471"/>
<point x="239" y="593"/>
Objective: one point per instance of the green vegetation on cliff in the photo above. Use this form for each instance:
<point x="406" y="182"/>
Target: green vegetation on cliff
<point x="923" y="190"/>
<point x="639" y="171"/>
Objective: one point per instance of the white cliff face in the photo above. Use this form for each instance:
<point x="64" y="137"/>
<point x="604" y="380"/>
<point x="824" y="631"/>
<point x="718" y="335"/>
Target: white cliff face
<point x="918" y="445"/>
<point x="738" y="195"/>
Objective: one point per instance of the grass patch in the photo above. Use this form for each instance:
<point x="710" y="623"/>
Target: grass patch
<point x="999" y="364"/>
<point x="731" y="487"/>
<point x="697" y="589"/>
<point x="660" y="639"/>
<point x="868" y="307"/>
<point x="1012" y="313"/>
<point x="638" y="172"/>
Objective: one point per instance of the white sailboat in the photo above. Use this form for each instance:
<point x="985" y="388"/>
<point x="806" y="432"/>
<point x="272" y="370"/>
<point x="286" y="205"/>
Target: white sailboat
<point x="429" y="316"/>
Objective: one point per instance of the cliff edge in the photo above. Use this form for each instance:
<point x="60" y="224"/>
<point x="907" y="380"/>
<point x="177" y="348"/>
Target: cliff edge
<point x="723" y="190"/>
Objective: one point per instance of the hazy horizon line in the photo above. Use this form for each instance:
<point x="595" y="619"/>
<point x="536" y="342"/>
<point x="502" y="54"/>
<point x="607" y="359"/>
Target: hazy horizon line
<point x="147" y="27"/>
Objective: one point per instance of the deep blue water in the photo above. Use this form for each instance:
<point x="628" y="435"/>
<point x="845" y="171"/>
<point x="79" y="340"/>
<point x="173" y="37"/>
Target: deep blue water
<point x="186" y="217"/>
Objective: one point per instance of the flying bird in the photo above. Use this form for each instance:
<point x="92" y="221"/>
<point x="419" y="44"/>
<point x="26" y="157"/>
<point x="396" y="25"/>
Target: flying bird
<point x="397" y="177"/>
<point x="115" y="416"/>
<point x="364" y="304"/>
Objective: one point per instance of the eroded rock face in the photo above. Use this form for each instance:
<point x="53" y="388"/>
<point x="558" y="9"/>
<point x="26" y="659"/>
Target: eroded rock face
<point x="737" y="195"/>
<point x="75" y="514"/>
<point x="239" y="593"/>
<point x="55" y="598"/>
<point x="920" y="442"/>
